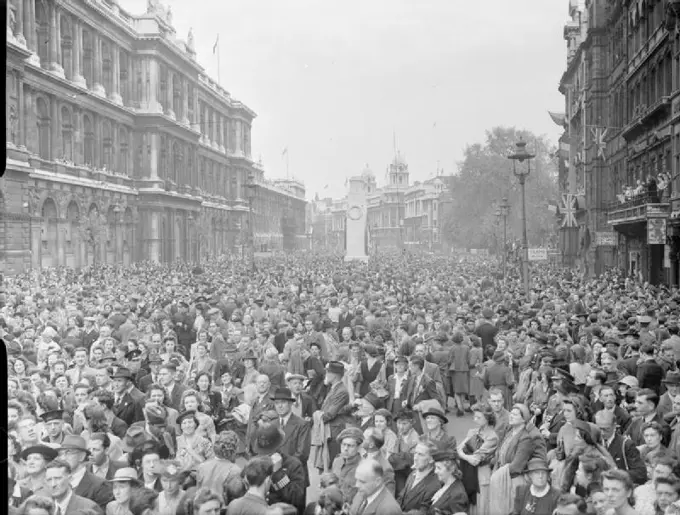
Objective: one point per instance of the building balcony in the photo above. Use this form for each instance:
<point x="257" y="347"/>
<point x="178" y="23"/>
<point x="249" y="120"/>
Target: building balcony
<point x="637" y="209"/>
<point x="644" y="117"/>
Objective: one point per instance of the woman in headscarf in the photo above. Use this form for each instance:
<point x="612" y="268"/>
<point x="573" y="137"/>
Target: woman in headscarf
<point x="522" y="442"/>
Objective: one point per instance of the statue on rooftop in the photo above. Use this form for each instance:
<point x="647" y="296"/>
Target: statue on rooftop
<point x="190" y="40"/>
<point x="152" y="6"/>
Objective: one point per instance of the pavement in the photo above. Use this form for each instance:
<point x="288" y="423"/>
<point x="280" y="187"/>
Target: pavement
<point x="457" y="426"/>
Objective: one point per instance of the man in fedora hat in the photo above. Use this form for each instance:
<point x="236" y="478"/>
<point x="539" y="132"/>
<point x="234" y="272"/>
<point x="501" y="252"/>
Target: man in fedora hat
<point x="59" y="480"/>
<point x="152" y="377"/>
<point x="288" y="477"/>
<point x="125" y="406"/>
<point x="538" y="492"/>
<point x="74" y="451"/>
<point x="297" y="431"/>
<point x="672" y="384"/>
<point x="336" y="405"/>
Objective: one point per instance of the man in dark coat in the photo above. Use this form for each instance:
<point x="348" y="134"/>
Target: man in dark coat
<point x="297" y="431"/>
<point x="486" y="329"/>
<point x="288" y="482"/>
<point x="58" y="475"/>
<point x="622" y="449"/>
<point x="649" y="372"/>
<point x="646" y="403"/>
<point x="152" y="377"/>
<point x="420" y="388"/>
<point x="336" y="406"/>
<point x="173" y="389"/>
<point x="125" y="406"/>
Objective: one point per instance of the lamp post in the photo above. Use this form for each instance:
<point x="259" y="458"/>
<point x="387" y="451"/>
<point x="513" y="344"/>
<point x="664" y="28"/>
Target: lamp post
<point x="522" y="155"/>
<point x="251" y="196"/>
<point x="498" y="215"/>
<point x="505" y="210"/>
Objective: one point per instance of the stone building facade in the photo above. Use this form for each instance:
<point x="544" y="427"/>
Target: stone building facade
<point x="621" y="87"/>
<point x="120" y="148"/>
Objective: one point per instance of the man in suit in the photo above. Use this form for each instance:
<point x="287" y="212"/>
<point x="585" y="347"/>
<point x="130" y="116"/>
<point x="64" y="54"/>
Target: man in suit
<point x="90" y="332"/>
<point x="297" y="431"/>
<point x="397" y="385"/>
<point x="672" y="384"/>
<point x="649" y="372"/>
<point x="106" y="401"/>
<point x="421" y="388"/>
<point x="607" y="402"/>
<point x="625" y="453"/>
<point x="431" y="370"/>
<point x="173" y="389"/>
<point x="262" y="403"/>
<point x="125" y="407"/>
<point x="304" y="405"/>
<point x="85" y="484"/>
<point x="336" y="407"/>
<point x="497" y="403"/>
<point x="152" y="377"/>
<point x="81" y="368"/>
<point x="646" y="403"/>
<point x="422" y="483"/>
<point x="100" y="465"/>
<point x="66" y="500"/>
<point x="345" y="319"/>
<point x="372" y="497"/>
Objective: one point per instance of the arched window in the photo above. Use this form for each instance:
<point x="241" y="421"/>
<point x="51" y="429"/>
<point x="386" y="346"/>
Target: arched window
<point x="43" y="123"/>
<point x="88" y="139"/>
<point x="42" y="24"/>
<point x="123" y="150"/>
<point x="107" y="145"/>
<point x="88" y="58"/>
<point x="107" y="66"/>
<point x="66" y="134"/>
<point x="66" y="46"/>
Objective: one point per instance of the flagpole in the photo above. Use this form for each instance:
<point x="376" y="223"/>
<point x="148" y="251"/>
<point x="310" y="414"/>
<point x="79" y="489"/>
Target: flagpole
<point x="219" y="82"/>
<point x="287" y="168"/>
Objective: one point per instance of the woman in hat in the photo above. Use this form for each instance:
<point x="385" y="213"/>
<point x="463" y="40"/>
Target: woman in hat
<point x="451" y="497"/>
<point x="36" y="458"/>
<point x="475" y="453"/>
<point x="434" y="430"/>
<point x="122" y="484"/>
<point x="407" y="439"/>
<point x="521" y="443"/>
<point x="192" y="448"/>
<point x="251" y="372"/>
<point x="538" y="496"/>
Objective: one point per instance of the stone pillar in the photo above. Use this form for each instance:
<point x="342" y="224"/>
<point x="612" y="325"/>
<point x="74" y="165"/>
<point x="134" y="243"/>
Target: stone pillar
<point x="154" y="106"/>
<point x="114" y="95"/>
<point x="185" y="102"/>
<point x="153" y="159"/>
<point x="154" y="238"/>
<point x="98" y="88"/>
<point x="21" y="118"/>
<point x="55" y="43"/>
<point x="170" y="95"/>
<point x="220" y="134"/>
<point x="19" y="27"/>
<point x="77" y="54"/>
<point x="36" y="244"/>
<point x="31" y="36"/>
<point x="239" y="138"/>
<point x="55" y="130"/>
<point x="119" y="239"/>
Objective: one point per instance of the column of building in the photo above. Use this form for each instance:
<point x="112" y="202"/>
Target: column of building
<point x="169" y="97"/>
<point x="76" y="55"/>
<point x="55" y="39"/>
<point x="30" y="31"/>
<point x="239" y="138"/>
<point x="114" y="95"/>
<point x="98" y="88"/>
<point x="185" y="101"/>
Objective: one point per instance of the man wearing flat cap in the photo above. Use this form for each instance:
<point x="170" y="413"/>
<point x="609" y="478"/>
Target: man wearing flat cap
<point x="336" y="406"/>
<point x="346" y="463"/>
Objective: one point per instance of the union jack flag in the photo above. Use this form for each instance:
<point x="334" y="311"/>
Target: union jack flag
<point x="568" y="210"/>
<point x="599" y="135"/>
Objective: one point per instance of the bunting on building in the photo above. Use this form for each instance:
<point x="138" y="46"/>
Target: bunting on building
<point x="568" y="210"/>
<point x="599" y="135"/>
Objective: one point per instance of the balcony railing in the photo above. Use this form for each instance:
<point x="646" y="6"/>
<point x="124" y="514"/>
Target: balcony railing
<point x="638" y="209"/>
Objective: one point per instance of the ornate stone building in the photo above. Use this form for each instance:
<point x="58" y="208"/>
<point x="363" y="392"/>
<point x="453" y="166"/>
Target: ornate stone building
<point x="120" y="148"/>
<point x="622" y="87"/>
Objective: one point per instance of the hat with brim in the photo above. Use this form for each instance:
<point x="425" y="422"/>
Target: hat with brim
<point x="336" y="367"/>
<point x="291" y="377"/>
<point x="536" y="464"/>
<point x="672" y="379"/>
<point x="56" y="414"/>
<point x="49" y="453"/>
<point x="123" y="373"/>
<point x="436" y="412"/>
<point x="268" y="440"/>
<point x="73" y="443"/>
<point x="404" y="414"/>
<point x="283" y="394"/>
<point x="351" y="432"/>
<point x="134" y="436"/>
<point x="126" y="475"/>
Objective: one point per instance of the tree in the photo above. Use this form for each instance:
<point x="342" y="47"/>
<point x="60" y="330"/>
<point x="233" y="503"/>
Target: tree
<point x="485" y="176"/>
<point x="94" y="231"/>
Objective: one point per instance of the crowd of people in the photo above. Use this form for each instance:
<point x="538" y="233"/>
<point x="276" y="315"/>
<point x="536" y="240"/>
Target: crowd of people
<point x="226" y="388"/>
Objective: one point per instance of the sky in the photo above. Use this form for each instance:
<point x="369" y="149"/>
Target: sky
<point x="338" y="82"/>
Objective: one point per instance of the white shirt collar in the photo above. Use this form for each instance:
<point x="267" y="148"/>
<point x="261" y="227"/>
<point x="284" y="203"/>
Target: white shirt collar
<point x="374" y="495"/>
<point x="64" y="502"/>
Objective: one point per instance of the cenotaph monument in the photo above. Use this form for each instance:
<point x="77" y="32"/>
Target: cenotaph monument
<point x="355" y="224"/>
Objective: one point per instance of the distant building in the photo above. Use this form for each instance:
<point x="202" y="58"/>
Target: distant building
<point x="120" y="148"/>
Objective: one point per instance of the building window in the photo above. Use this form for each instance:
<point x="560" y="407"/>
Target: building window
<point x="107" y="67"/>
<point x="88" y="133"/>
<point x="123" y="149"/>
<point x="66" y="134"/>
<point x="43" y="33"/>
<point x="107" y="145"/>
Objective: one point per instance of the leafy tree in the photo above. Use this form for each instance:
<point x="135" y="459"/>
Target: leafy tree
<point x="485" y="176"/>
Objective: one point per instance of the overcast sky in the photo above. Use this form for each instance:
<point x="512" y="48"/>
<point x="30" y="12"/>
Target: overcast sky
<point x="333" y="80"/>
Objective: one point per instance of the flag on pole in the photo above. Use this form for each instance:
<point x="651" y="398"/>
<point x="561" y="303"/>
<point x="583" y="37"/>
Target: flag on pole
<point x="285" y="152"/>
<point x="217" y="42"/>
<point x="568" y="210"/>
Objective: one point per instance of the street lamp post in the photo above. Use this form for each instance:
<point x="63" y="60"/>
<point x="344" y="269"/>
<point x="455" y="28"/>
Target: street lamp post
<point x="498" y="215"/>
<point x="522" y="155"/>
<point x="251" y="233"/>
<point x="505" y="209"/>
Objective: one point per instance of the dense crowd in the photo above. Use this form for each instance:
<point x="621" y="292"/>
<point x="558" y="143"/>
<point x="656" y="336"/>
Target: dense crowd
<point x="226" y="388"/>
